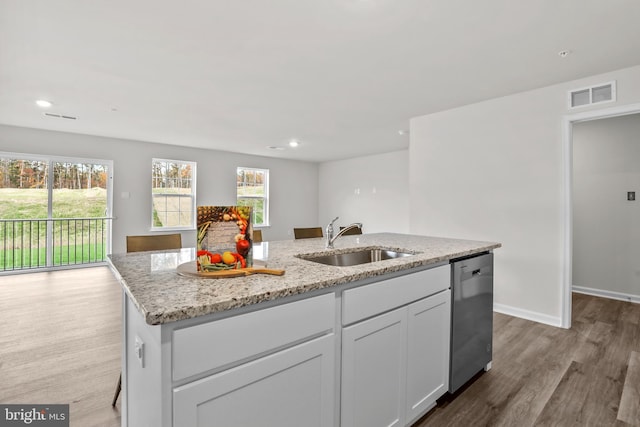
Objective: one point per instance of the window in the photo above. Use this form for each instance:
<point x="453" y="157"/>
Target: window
<point x="54" y="211"/>
<point x="173" y="191"/>
<point x="252" y="189"/>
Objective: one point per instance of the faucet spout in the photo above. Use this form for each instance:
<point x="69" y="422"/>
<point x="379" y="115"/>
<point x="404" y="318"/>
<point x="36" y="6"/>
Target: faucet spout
<point x="331" y="238"/>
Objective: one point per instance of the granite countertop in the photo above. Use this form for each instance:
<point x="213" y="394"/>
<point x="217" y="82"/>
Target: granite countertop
<point x="162" y="295"/>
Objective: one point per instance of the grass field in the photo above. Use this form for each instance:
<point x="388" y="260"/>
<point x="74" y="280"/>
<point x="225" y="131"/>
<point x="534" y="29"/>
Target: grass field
<point x="32" y="203"/>
<point x="23" y="241"/>
<point x="63" y="255"/>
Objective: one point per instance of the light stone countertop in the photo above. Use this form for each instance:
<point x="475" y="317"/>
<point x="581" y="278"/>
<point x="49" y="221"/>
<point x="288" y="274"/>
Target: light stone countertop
<point x="162" y="295"/>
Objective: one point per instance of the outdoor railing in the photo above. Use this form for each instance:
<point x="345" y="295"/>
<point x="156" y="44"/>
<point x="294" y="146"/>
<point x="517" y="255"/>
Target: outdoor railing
<point x="42" y="243"/>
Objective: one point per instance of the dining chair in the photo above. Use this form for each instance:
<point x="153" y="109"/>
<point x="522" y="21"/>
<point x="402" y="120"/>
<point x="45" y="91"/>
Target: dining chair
<point x="257" y="236"/>
<point x="307" y="233"/>
<point x="353" y="231"/>
<point x="156" y="242"/>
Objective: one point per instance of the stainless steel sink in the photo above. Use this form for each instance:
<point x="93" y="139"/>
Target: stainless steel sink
<point x="357" y="257"/>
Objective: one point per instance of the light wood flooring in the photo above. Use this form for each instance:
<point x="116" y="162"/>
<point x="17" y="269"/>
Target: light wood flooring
<point x="60" y="338"/>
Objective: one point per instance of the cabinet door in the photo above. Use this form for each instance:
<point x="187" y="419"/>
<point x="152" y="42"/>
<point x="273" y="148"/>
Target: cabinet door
<point x="373" y="367"/>
<point x="291" y="388"/>
<point x="429" y="328"/>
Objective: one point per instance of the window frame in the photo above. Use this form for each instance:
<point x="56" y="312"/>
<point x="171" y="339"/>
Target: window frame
<point x="265" y="198"/>
<point x="192" y="195"/>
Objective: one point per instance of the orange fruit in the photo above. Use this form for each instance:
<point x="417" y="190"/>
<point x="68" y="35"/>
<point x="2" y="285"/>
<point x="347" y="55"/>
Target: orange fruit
<point x="228" y="258"/>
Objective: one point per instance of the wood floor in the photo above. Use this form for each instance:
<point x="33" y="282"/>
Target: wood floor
<point x="545" y="376"/>
<point x="60" y="338"/>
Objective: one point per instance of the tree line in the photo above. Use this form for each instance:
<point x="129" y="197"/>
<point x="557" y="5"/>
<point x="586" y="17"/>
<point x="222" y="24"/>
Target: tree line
<point x="246" y="176"/>
<point x="167" y="174"/>
<point x="17" y="173"/>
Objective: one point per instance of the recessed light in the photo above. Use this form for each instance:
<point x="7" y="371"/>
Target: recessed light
<point x="43" y="103"/>
<point x="293" y="143"/>
<point x="403" y="132"/>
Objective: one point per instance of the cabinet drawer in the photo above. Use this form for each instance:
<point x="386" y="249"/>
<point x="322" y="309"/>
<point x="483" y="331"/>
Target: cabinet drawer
<point x="370" y="300"/>
<point x="212" y="345"/>
<point x="291" y="388"/>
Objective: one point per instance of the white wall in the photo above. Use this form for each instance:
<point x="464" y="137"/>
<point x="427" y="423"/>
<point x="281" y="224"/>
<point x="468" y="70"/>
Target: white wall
<point x="293" y="185"/>
<point x="606" y="227"/>
<point x="494" y="171"/>
<point x="373" y="190"/>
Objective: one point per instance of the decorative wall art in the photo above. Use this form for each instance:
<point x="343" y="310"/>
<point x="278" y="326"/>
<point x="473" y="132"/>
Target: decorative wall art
<point x="224" y="238"/>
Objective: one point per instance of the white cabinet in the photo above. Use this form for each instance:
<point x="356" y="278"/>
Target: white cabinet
<point x="273" y="366"/>
<point x="395" y="364"/>
<point x="289" y="380"/>
<point x="373" y="380"/>
<point x="427" y="353"/>
<point x="291" y="388"/>
<point x="213" y="345"/>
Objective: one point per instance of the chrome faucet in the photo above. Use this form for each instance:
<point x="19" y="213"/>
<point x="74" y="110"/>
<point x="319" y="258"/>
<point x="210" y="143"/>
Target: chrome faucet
<point x="331" y="238"/>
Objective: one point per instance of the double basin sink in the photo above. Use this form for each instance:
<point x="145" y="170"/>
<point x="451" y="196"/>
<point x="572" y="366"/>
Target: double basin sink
<point x="356" y="257"/>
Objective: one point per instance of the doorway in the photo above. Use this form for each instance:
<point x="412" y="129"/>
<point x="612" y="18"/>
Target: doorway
<point x="606" y="213"/>
<point x="567" y="141"/>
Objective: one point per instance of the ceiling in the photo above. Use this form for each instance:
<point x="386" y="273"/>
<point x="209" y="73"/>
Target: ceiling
<point x="341" y="76"/>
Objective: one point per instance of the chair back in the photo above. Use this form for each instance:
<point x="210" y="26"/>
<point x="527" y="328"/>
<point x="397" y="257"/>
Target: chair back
<point x="154" y="243"/>
<point x="307" y="233"/>
<point x="257" y="236"/>
<point x="353" y="231"/>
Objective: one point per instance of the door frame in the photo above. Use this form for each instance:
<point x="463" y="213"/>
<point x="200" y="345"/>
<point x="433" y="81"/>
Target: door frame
<point x="567" y="208"/>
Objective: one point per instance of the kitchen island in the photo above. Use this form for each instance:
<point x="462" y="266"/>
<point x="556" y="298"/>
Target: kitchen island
<point x="307" y="348"/>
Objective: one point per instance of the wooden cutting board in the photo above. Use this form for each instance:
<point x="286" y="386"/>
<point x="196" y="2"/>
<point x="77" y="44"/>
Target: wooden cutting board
<point x="190" y="269"/>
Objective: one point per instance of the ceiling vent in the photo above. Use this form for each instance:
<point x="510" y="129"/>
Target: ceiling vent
<point x="596" y="94"/>
<point x="60" y="116"/>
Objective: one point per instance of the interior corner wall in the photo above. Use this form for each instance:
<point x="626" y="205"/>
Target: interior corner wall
<point x="606" y="226"/>
<point x="293" y="185"/>
<point x="373" y="190"/>
<point x="495" y="171"/>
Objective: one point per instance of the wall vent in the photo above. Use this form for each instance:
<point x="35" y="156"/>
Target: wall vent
<point x="60" y="116"/>
<point x="596" y="94"/>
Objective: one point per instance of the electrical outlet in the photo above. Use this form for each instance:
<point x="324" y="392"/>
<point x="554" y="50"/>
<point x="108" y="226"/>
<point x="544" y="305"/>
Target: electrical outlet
<point x="139" y="350"/>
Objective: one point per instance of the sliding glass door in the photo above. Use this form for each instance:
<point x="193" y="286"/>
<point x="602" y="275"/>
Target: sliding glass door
<point x="54" y="212"/>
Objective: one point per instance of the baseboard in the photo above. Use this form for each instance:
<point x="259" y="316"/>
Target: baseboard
<point x="606" y="294"/>
<point x="528" y="315"/>
<point x="557" y="321"/>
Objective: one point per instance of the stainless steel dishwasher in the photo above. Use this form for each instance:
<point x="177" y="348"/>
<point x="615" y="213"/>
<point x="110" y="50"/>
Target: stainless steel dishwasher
<point x="471" y="318"/>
